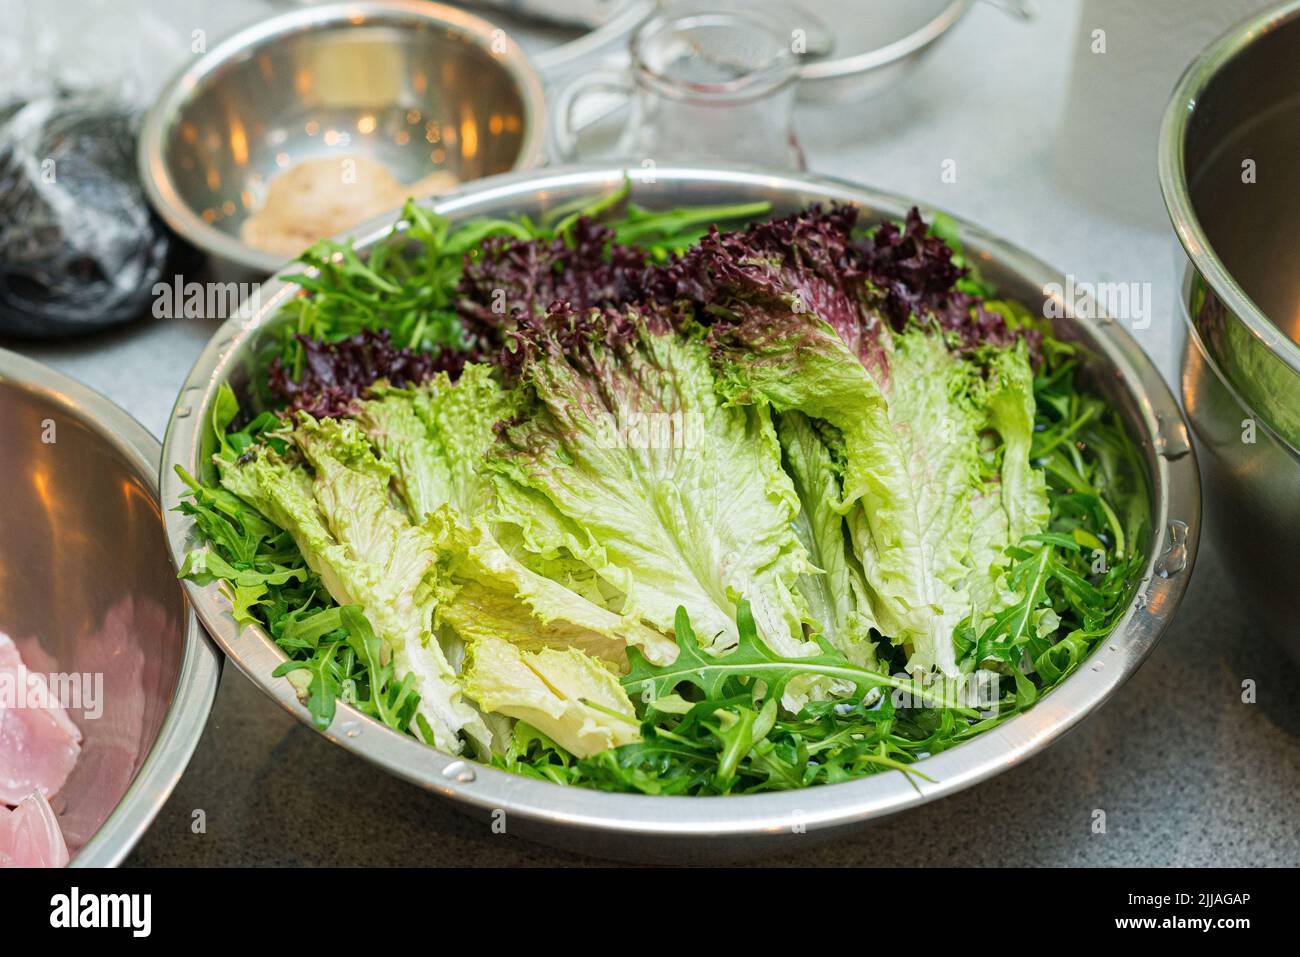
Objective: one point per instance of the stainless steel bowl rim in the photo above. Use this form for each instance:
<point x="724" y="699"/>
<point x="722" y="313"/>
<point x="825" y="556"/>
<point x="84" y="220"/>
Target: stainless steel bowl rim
<point x="557" y="61"/>
<point x="1177" y="499"/>
<point x="834" y="68"/>
<point x="157" y="181"/>
<point x="569" y="55"/>
<point x="200" y="668"/>
<point x="1173" y="182"/>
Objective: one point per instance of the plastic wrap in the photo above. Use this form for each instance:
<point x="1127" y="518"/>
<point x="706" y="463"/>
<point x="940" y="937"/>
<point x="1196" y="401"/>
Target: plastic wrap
<point x="80" y="248"/>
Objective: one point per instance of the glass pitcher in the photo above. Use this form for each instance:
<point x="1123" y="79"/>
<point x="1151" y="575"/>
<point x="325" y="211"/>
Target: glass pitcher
<point x="715" y="83"/>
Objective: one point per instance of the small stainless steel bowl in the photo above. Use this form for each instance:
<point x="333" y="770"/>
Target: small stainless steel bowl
<point x="1230" y="172"/>
<point x="684" y="829"/>
<point x="86" y="588"/>
<point x="418" y="86"/>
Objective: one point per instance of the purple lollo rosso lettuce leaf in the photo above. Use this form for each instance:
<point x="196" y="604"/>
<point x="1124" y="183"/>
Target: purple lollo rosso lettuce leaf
<point x="503" y="278"/>
<point x="807" y="261"/>
<point x="798" y="268"/>
<point x="511" y="279"/>
<point x="814" y="262"/>
<point x="915" y="272"/>
<point x="335" y="374"/>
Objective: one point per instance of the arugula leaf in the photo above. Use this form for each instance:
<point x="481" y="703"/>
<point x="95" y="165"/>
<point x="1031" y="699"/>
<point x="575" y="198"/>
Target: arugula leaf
<point x="369" y="651"/>
<point x="269" y="583"/>
<point x="1013" y="627"/>
<point x="323" y="684"/>
<point x="750" y="660"/>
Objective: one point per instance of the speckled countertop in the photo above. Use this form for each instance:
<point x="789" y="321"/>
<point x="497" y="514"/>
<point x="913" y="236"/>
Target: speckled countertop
<point x="1186" y="773"/>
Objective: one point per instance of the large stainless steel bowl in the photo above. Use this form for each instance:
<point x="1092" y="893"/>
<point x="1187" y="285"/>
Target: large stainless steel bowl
<point x="86" y="588"/>
<point x="701" y="828"/>
<point x="417" y="86"/>
<point x="1230" y="172"/>
<point x="875" y="45"/>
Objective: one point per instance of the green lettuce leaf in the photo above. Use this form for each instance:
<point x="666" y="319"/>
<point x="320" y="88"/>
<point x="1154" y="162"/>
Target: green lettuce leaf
<point x="628" y="461"/>
<point x="1011" y="504"/>
<point x="1009" y="400"/>
<point x="484" y="592"/>
<point x="928" y="523"/>
<point x="567" y="695"/>
<point x="337" y="508"/>
<point x="434" y="435"/>
<point x="837" y="595"/>
<point x="913" y="529"/>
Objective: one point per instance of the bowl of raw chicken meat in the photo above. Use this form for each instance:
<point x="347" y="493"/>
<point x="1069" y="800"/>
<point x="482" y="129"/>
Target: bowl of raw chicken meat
<point x="106" y="680"/>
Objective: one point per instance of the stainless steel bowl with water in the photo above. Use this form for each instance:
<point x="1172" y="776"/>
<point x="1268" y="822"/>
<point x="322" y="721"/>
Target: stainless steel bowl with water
<point x="874" y="45"/>
<point x="417" y="86"/>
<point x="1230" y="172"/>
<point x="703" y="828"/>
<point x="87" y="589"/>
<point x="871" y="45"/>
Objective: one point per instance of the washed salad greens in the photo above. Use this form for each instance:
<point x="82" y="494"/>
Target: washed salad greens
<point x="635" y="501"/>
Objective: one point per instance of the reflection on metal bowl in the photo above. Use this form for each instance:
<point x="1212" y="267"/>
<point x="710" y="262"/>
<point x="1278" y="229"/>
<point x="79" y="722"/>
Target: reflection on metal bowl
<point x="1230" y="172"/>
<point x="700" y="828"/>
<point x="418" y="87"/>
<point x="86" y="589"/>
<point x="1252" y="491"/>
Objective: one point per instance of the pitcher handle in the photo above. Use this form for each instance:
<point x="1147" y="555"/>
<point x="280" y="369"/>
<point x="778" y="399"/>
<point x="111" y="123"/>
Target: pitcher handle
<point x="564" y="129"/>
